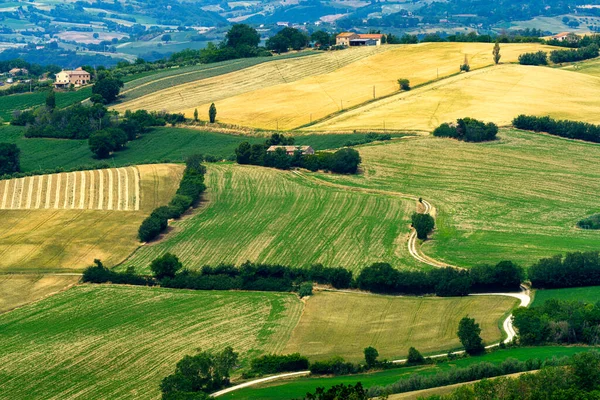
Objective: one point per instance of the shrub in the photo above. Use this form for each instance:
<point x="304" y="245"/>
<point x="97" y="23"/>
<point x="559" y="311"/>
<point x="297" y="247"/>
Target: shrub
<point x="150" y="229"/>
<point x="414" y="356"/>
<point x="592" y="222"/>
<point x="334" y="366"/>
<point x="165" y="266"/>
<point x="423" y="224"/>
<point x="345" y="161"/>
<point x="468" y="130"/>
<point x="9" y="158"/>
<point x="272" y="364"/>
<point x="306" y="289"/>
<point x="538" y="58"/>
<point x="404" y="84"/>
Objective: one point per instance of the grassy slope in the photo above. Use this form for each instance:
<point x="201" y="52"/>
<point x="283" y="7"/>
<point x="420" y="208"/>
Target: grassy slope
<point x="215" y="89"/>
<point x="299" y="387"/>
<point x="344" y="324"/>
<point x="292" y="104"/>
<point x="263" y="214"/>
<point x="496" y="94"/>
<point x="161" y="144"/>
<point x="27" y="100"/>
<point x="589" y="294"/>
<point x="57" y="240"/>
<point x="517" y="198"/>
<point x="17" y="290"/>
<point x="99" y="342"/>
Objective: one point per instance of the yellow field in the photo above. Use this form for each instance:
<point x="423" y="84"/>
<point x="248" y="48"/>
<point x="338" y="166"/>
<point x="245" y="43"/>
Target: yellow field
<point x="65" y="221"/>
<point x="294" y="104"/>
<point x="190" y="95"/>
<point x="19" y="289"/>
<point x="345" y="323"/>
<point x="496" y="94"/>
<point x="289" y="93"/>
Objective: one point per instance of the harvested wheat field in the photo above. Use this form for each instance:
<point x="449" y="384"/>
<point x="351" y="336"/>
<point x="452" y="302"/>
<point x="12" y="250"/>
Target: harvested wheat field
<point x="496" y="94"/>
<point x="64" y="221"/>
<point x="267" y="215"/>
<point x="118" y="342"/>
<point x="192" y="94"/>
<point x="343" y="324"/>
<point x="19" y="289"/>
<point x="289" y="93"/>
<point x="291" y="105"/>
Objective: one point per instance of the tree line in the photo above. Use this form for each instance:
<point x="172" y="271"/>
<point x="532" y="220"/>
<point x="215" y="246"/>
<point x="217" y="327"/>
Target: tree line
<point x="570" y="55"/>
<point x="188" y="194"/>
<point x="468" y="130"/>
<point x="343" y="161"/>
<point x="558" y="321"/>
<point x="563" y="128"/>
<point x="571" y="270"/>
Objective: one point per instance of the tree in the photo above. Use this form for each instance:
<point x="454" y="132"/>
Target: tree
<point x="321" y="38"/>
<point x="96" y="35"/>
<point x="423" y="224"/>
<point x="165" y="266"/>
<point x="101" y="144"/>
<point x="345" y="161"/>
<point x="212" y="113"/>
<point x="465" y="65"/>
<point x="242" y="34"/>
<point x="496" y="53"/>
<point x="414" y="356"/>
<point x="197" y="376"/>
<point x="306" y="289"/>
<point x="108" y="88"/>
<point x="278" y="43"/>
<point x="341" y="391"/>
<point x="469" y="335"/>
<point x="51" y="100"/>
<point x="243" y="152"/>
<point x="9" y="158"/>
<point x="586" y="367"/>
<point x="371" y="355"/>
<point x="196" y="114"/>
<point x="166" y="38"/>
<point x="404" y="84"/>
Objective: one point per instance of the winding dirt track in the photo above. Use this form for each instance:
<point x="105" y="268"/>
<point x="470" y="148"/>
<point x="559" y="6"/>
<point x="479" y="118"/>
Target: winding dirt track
<point x="416" y="253"/>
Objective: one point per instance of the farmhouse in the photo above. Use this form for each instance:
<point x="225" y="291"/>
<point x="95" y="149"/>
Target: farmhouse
<point x="290" y="150"/>
<point x="78" y="77"/>
<point x="358" y="39"/>
<point x="561" y="37"/>
<point x="18" y="71"/>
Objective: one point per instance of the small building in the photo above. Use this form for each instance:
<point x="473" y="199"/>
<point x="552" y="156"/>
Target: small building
<point x="18" y="71"/>
<point x="562" y="36"/>
<point x="77" y="77"/>
<point x="358" y="39"/>
<point x="290" y="150"/>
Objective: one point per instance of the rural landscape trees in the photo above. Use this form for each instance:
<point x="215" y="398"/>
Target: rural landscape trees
<point x="468" y="333"/>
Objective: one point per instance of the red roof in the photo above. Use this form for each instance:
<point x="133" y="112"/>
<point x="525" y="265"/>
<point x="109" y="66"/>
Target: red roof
<point x="370" y="36"/>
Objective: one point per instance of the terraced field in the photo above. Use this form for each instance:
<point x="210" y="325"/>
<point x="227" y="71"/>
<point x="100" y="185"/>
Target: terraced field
<point x="344" y="324"/>
<point x="267" y="215"/>
<point x="517" y="198"/>
<point x="62" y="222"/>
<point x="496" y="94"/>
<point x="176" y="98"/>
<point x="107" y="342"/>
<point x="297" y="103"/>
<point x="105" y="189"/>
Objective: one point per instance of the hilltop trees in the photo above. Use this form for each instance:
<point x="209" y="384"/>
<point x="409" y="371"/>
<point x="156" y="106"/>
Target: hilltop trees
<point x="469" y="335"/>
<point x="496" y="53"/>
<point x="9" y="158"/>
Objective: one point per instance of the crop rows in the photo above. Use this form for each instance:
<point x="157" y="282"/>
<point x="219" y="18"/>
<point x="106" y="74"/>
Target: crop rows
<point x="108" y="189"/>
<point x="195" y="93"/>
<point x="105" y="342"/>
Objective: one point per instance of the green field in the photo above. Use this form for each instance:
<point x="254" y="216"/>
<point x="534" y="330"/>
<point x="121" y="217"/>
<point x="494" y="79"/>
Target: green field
<point x="27" y="100"/>
<point x="590" y="294"/>
<point x="296" y="388"/>
<point x="517" y="198"/>
<point x="343" y="324"/>
<point x="106" y="342"/>
<point x="164" y="143"/>
<point x="267" y="215"/>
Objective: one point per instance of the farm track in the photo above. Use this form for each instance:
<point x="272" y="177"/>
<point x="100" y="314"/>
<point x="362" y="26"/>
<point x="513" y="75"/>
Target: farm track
<point x="507" y="326"/>
<point x="118" y="191"/>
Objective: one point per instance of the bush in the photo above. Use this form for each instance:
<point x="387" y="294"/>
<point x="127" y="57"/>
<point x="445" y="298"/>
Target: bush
<point x="334" y="366"/>
<point x="538" y="58"/>
<point x="404" y="84"/>
<point x="306" y="289"/>
<point x="468" y="130"/>
<point x="345" y="161"/>
<point x="151" y="227"/>
<point x="9" y="158"/>
<point x="592" y="222"/>
<point x="165" y="266"/>
<point x="272" y="364"/>
<point x="423" y="224"/>
<point x="414" y="356"/>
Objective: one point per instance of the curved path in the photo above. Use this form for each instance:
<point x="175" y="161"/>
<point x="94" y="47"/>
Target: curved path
<point x="416" y="253"/>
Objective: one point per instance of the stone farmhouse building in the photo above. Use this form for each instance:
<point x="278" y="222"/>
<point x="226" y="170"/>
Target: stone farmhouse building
<point x="358" y="39"/>
<point x="290" y="150"/>
<point x="77" y="77"/>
